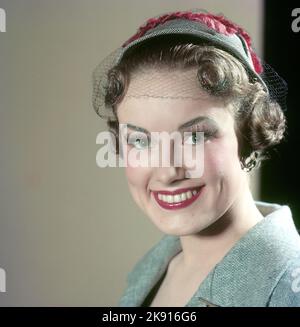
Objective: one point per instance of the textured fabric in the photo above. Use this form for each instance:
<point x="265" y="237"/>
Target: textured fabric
<point x="261" y="269"/>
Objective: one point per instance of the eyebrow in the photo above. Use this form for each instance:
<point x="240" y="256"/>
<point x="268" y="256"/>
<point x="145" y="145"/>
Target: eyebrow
<point x="182" y="127"/>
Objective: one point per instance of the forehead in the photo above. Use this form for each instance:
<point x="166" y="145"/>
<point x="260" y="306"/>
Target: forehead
<point x="164" y="82"/>
<point x="162" y="100"/>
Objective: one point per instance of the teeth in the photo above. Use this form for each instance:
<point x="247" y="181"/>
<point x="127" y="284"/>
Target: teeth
<point x="189" y="194"/>
<point x="169" y="199"/>
<point x="178" y="197"/>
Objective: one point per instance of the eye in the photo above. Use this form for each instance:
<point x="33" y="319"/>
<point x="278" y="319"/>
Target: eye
<point x="193" y="138"/>
<point x="139" y="141"/>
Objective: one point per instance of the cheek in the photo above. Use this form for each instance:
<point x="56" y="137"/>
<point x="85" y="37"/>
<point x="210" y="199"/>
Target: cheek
<point x="137" y="180"/>
<point x="221" y="158"/>
<point x="137" y="177"/>
<point x="131" y="175"/>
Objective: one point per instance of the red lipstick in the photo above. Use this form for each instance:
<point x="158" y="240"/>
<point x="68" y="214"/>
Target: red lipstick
<point x="181" y="204"/>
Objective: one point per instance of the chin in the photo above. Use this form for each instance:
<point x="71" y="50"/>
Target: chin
<point x="189" y="227"/>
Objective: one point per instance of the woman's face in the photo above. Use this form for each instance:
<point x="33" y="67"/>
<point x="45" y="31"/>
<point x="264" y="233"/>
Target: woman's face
<point x="221" y="181"/>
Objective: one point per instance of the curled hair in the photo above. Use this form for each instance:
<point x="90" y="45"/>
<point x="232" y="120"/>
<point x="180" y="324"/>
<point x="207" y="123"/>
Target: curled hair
<point x="259" y="121"/>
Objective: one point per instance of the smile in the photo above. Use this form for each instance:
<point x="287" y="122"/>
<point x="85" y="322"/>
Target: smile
<point x="178" y="199"/>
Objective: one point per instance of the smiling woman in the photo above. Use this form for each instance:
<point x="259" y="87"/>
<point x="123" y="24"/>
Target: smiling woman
<point x="194" y="72"/>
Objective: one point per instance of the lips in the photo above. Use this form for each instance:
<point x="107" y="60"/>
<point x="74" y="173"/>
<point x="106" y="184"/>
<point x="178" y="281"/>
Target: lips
<point x="178" y="191"/>
<point x="181" y="204"/>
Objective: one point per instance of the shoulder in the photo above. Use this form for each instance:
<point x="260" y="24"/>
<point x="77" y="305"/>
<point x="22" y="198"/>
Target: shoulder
<point x="147" y="270"/>
<point x="156" y="256"/>
<point x="286" y="293"/>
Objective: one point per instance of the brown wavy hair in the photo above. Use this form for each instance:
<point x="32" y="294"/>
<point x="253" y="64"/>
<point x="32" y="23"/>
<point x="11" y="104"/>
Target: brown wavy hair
<point x="259" y="121"/>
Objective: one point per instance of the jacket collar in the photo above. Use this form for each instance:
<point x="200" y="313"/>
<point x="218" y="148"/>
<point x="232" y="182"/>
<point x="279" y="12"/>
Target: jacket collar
<point x="247" y="274"/>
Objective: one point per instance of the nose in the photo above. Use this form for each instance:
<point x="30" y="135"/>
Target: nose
<point x="169" y="175"/>
<point x="172" y="173"/>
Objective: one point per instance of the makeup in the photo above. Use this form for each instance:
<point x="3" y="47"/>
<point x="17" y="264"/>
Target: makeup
<point x="178" y="199"/>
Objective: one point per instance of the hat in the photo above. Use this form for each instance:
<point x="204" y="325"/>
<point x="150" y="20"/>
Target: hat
<point x="197" y="25"/>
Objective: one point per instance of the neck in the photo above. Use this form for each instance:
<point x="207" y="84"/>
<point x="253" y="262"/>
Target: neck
<point x="210" y="245"/>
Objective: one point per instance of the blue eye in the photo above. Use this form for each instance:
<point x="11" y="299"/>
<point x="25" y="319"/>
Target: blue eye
<point x="139" y="141"/>
<point x="193" y="138"/>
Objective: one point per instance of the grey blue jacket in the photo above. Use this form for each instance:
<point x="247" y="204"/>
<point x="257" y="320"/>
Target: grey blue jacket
<point x="261" y="269"/>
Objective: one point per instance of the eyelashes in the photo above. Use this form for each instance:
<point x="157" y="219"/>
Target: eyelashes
<point x="208" y="130"/>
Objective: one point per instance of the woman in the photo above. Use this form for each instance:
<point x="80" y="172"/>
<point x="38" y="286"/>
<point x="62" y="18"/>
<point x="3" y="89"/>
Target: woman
<point x="194" y="72"/>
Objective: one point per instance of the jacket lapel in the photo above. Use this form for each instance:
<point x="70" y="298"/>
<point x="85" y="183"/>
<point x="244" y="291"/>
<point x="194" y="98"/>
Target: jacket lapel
<point x="247" y="274"/>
